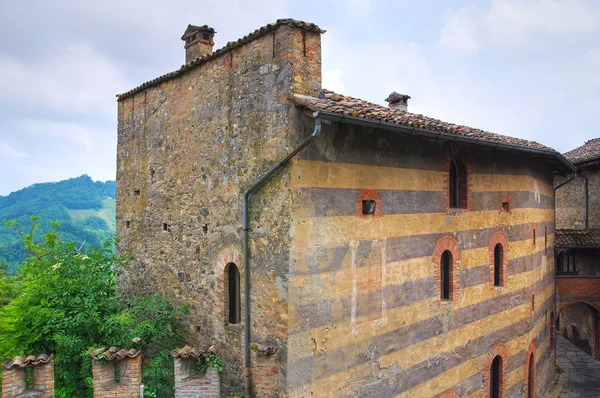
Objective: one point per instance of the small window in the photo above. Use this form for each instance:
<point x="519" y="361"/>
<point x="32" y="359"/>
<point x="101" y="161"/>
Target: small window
<point x="498" y="264"/>
<point x="137" y="192"/>
<point x="445" y="275"/>
<point x="457" y="185"/>
<point x="206" y="36"/>
<point x="233" y="293"/>
<point x="531" y="378"/>
<point x="127" y="224"/>
<point x="506" y="207"/>
<point x="495" y="377"/>
<point x="545" y="240"/>
<point x="532" y="302"/>
<point x="166" y="227"/>
<point x="368" y="207"/>
<point x="533" y="236"/>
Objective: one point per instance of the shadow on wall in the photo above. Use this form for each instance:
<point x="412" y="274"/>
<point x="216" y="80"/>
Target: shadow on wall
<point x="583" y="344"/>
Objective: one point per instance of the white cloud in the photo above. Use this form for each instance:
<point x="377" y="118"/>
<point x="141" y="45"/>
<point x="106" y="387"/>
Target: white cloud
<point x="512" y="24"/>
<point x="70" y="78"/>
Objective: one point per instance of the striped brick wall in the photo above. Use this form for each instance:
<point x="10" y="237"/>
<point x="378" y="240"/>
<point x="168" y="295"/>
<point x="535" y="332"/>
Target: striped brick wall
<point x="365" y="314"/>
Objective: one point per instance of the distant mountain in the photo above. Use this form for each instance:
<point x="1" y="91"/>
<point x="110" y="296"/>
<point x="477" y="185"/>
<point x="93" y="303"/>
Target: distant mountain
<point x="84" y="208"/>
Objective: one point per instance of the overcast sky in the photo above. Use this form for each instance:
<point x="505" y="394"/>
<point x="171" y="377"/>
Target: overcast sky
<point x="524" y="68"/>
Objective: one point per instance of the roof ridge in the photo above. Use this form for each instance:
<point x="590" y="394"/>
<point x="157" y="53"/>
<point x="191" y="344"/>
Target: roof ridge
<point x="308" y="26"/>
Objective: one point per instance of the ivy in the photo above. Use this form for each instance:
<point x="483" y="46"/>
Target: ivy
<point x="212" y="360"/>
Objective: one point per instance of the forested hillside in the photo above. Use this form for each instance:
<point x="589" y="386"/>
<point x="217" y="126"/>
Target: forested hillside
<point x="84" y="208"/>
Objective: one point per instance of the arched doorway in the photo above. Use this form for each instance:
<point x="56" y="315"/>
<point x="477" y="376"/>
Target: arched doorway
<point x="579" y="323"/>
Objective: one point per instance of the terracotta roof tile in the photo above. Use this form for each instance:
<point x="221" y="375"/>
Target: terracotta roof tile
<point x="31" y="360"/>
<point x="349" y="106"/>
<point x="588" y="151"/>
<point x="114" y="354"/>
<point x="266" y="350"/>
<point x="190" y="352"/>
<point x="577" y="238"/>
<point x="193" y="28"/>
<point x="229" y="47"/>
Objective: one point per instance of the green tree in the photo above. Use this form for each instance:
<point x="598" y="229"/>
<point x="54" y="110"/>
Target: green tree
<point x="64" y="301"/>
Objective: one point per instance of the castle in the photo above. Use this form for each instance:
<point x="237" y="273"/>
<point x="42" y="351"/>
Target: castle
<point x="331" y="247"/>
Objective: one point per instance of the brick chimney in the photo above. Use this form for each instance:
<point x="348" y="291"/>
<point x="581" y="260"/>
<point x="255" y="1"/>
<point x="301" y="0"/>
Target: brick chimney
<point x="398" y="101"/>
<point x="198" y="42"/>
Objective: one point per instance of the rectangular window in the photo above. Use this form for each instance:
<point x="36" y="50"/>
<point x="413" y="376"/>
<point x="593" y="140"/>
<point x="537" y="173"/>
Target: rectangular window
<point x="545" y="240"/>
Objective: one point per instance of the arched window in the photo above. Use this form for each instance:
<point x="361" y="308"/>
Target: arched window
<point x="498" y="263"/>
<point x="233" y="293"/>
<point x="496" y="377"/>
<point x="453" y="177"/>
<point x="457" y="184"/>
<point x="446" y="274"/>
<point x="531" y="378"/>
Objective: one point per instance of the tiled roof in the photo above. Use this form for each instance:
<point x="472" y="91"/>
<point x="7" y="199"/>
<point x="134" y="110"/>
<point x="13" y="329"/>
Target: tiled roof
<point x="349" y="106"/>
<point x="588" y="151"/>
<point x="114" y="354"/>
<point x="230" y="46"/>
<point x="266" y="350"/>
<point x="31" y="360"/>
<point x="577" y="238"/>
<point x="189" y="352"/>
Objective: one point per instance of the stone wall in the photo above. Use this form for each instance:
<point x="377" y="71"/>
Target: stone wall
<point x="570" y="200"/>
<point x="187" y="149"/>
<point x="570" y="204"/>
<point x="190" y="384"/>
<point x="14" y="377"/>
<point x="366" y="317"/>
<point x="576" y="324"/>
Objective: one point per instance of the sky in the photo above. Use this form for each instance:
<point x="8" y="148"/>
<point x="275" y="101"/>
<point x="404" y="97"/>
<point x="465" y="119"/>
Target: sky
<point x="525" y="68"/>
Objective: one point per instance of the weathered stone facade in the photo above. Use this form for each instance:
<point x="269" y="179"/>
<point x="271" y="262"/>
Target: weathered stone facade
<point x="347" y="303"/>
<point x="578" y="248"/>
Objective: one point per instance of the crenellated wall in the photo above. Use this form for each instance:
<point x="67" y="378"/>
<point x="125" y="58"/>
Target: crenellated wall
<point x="365" y="314"/>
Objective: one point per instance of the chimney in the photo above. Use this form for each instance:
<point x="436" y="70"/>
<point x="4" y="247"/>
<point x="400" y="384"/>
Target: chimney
<point x="198" y="42"/>
<point x="398" y="101"/>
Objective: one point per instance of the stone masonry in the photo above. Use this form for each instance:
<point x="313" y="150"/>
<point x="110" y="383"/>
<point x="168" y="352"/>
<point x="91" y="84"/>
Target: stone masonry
<point x="186" y="150"/>
<point x="398" y="300"/>
<point x="14" y="377"/>
<point x="106" y="364"/>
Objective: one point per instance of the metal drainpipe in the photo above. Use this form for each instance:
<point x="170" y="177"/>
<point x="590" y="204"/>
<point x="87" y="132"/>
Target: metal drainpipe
<point x="252" y="188"/>
<point x="586" y="200"/>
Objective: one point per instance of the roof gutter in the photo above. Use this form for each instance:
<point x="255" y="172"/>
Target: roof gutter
<point x="334" y="117"/>
<point x="245" y="221"/>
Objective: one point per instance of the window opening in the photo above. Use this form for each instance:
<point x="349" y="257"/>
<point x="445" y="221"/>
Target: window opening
<point x="495" y="378"/>
<point x="506" y="207"/>
<point x="498" y="259"/>
<point x="531" y="378"/>
<point x="453" y="177"/>
<point x="368" y="207"/>
<point x="233" y="278"/>
<point x="445" y="274"/>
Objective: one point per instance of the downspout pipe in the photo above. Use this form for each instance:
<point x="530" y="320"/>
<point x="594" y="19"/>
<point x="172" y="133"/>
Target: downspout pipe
<point x="257" y="184"/>
<point x="586" y="201"/>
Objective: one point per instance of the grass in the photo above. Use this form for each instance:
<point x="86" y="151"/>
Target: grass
<point x="107" y="212"/>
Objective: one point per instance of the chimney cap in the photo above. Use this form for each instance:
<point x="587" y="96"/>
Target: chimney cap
<point x="191" y="29"/>
<point x="396" y="97"/>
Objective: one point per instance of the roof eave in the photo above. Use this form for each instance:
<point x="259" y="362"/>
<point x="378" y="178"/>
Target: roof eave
<point x="339" y="118"/>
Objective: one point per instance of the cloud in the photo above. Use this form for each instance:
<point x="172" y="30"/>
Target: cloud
<point x="514" y="24"/>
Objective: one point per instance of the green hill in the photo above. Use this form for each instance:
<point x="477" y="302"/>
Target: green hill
<point x="84" y="208"/>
